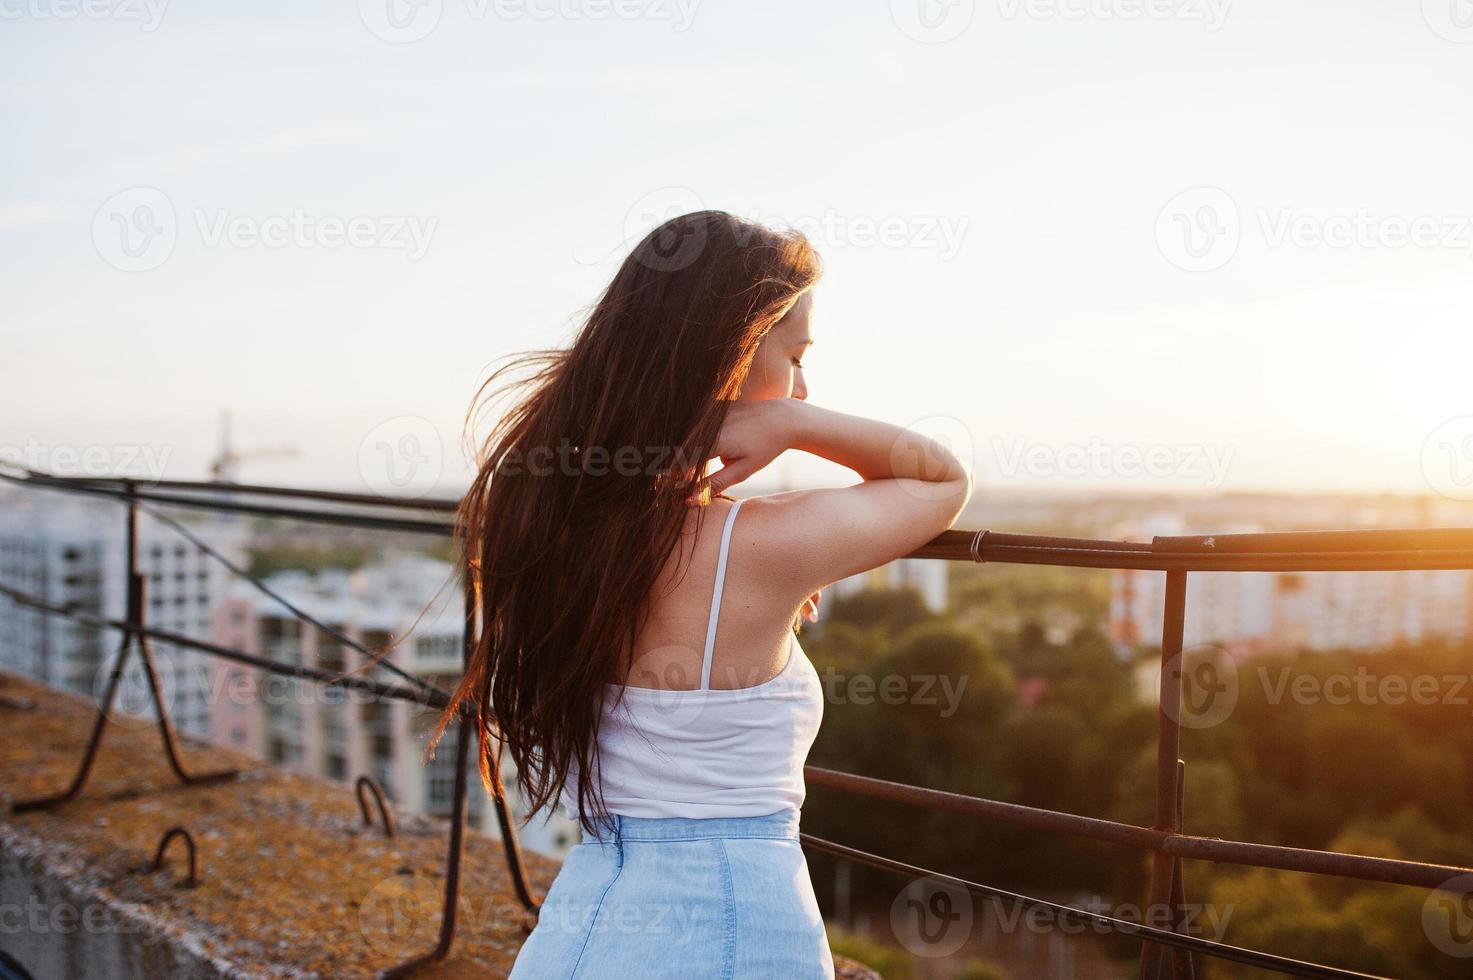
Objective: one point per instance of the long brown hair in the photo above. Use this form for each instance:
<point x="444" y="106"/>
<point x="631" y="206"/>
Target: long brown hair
<point x="581" y="488"/>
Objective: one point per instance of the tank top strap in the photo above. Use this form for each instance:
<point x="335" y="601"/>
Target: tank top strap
<point x="716" y="596"/>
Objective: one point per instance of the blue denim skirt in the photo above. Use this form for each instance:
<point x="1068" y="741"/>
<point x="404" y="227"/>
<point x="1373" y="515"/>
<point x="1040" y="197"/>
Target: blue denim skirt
<point x="681" y="898"/>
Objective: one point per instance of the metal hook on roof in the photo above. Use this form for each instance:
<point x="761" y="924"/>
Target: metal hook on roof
<point x="158" y="857"/>
<point x="385" y="817"/>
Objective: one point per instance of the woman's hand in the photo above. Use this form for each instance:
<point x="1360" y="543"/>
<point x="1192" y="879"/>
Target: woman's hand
<point x="753" y="435"/>
<point x="810" y="606"/>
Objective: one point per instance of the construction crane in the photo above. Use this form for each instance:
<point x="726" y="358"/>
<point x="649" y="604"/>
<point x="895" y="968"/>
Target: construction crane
<point x="222" y="469"/>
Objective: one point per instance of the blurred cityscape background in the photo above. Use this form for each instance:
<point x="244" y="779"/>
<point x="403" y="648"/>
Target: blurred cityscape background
<point x="1039" y="685"/>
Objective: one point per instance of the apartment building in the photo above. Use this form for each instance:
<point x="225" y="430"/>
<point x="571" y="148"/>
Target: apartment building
<point x="1247" y="613"/>
<point x="408" y="603"/>
<point x="71" y="551"/>
<point x="927" y="576"/>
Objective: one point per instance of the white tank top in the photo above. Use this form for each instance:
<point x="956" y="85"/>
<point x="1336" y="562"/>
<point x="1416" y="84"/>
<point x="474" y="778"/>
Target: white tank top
<point x="708" y="752"/>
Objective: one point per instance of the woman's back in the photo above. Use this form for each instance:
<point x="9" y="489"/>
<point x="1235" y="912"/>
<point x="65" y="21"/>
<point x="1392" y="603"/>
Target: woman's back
<point x="755" y="620"/>
<point x="704" y="749"/>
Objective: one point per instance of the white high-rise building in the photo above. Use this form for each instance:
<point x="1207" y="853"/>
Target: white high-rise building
<point x="409" y="599"/>
<point x="71" y="551"/>
<point x="1251" y="612"/>
<point x="928" y="576"/>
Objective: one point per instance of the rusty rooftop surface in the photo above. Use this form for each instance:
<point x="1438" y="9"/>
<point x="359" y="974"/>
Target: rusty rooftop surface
<point x="291" y="882"/>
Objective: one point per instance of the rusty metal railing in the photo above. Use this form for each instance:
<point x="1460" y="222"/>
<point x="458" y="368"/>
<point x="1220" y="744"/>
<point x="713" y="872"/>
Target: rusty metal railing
<point x="1164" y="840"/>
<point x="137" y="632"/>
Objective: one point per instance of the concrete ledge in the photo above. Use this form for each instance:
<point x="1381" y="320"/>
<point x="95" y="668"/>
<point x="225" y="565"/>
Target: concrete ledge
<point x="291" y="882"/>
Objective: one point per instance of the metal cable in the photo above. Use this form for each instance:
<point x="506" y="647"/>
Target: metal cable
<point x="377" y="658"/>
<point x="435" y="697"/>
<point x="63" y="485"/>
<point x="1237" y="954"/>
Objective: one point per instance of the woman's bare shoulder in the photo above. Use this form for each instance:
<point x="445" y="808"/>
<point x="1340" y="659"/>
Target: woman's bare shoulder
<point x="812" y="538"/>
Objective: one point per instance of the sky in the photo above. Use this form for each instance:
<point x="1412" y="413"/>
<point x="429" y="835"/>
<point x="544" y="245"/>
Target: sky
<point x="1192" y="245"/>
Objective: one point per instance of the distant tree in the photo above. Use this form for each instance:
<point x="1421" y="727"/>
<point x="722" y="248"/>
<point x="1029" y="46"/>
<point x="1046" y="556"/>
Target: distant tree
<point x="889" y="961"/>
<point x="928" y="713"/>
<point x="924" y="712"/>
<point x="1029" y="652"/>
<point x="1086" y="675"/>
<point x="891" y="610"/>
<point x="976" y="969"/>
<point x="1414" y="835"/>
<point x="308" y="557"/>
<point x="1377" y="775"/>
<point x="844" y="644"/>
<point x="1358" y="925"/>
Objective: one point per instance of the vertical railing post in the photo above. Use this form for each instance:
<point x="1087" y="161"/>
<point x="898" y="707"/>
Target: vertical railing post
<point x="1168" y="753"/>
<point x="115" y="677"/>
<point x="132" y="634"/>
<point x="138" y="615"/>
<point x="504" y="817"/>
<point x="464" y="730"/>
<point x="1183" y="961"/>
<point x="510" y="844"/>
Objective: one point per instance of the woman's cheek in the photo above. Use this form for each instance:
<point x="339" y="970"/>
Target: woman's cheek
<point x="767" y="384"/>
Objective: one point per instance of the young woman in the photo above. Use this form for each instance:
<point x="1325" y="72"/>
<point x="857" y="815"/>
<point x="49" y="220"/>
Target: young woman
<point x="639" y="661"/>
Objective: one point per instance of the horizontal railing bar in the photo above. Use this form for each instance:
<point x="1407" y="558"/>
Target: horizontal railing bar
<point x="344" y="518"/>
<point x="1328" y="561"/>
<point x="1051" y="821"/>
<point x="1335" y="551"/>
<point x="317" y="516"/>
<point x="1297" y="542"/>
<point x="269" y="490"/>
<point x="433" y="697"/>
<point x="297" y="612"/>
<point x="1354" y="866"/>
<point x="1002" y="539"/>
<point x="1283" y="542"/>
<point x="255" y="489"/>
<point x="1350" y="553"/>
<point x="1223" y="951"/>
